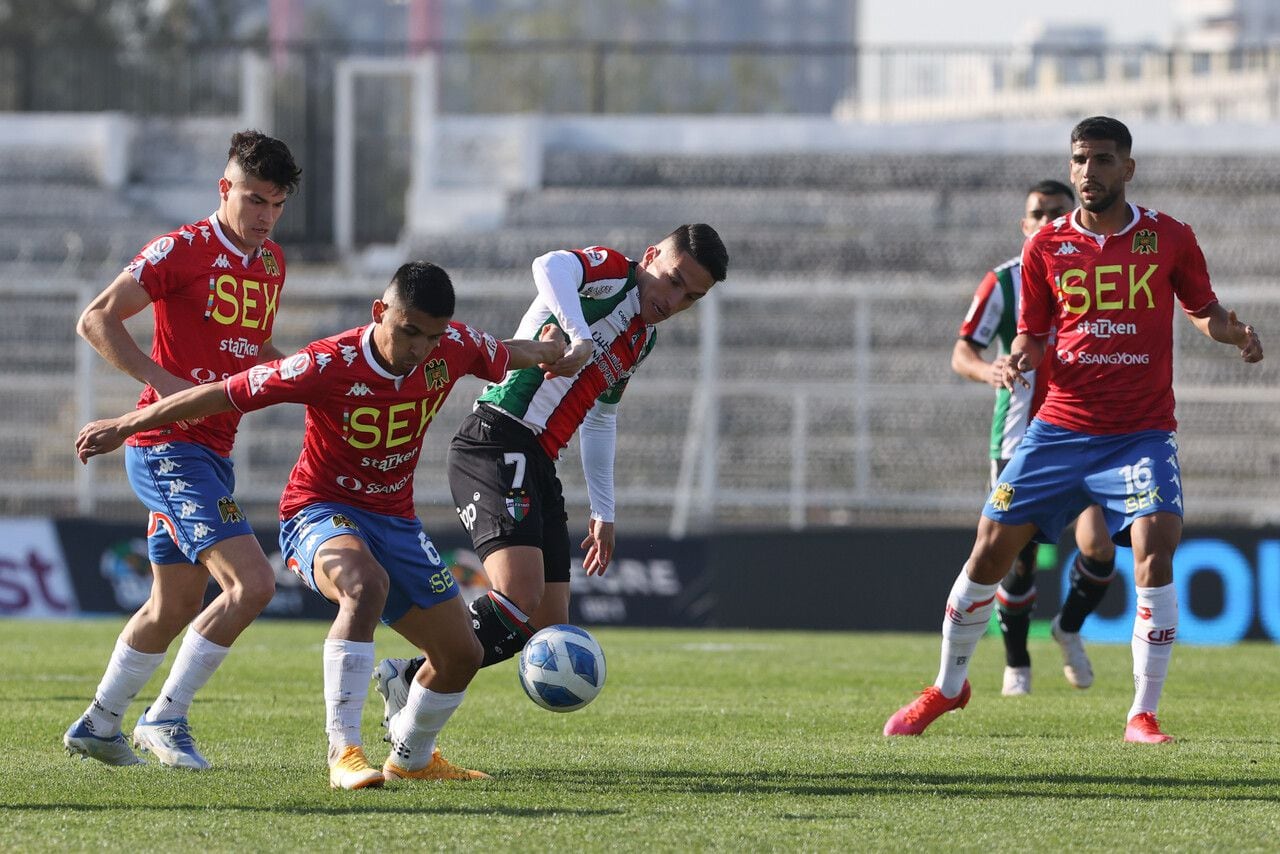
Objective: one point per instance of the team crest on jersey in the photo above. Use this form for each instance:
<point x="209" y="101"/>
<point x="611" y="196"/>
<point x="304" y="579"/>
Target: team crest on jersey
<point x="1144" y="242"/>
<point x="518" y="504"/>
<point x="269" y="262"/>
<point x="338" y="520"/>
<point x="436" y="374"/>
<point x="228" y="510"/>
<point x="1002" y="497"/>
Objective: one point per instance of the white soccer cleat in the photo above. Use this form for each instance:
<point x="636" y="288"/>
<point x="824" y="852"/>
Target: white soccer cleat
<point x="391" y="681"/>
<point x="1075" y="661"/>
<point x="170" y="741"/>
<point x="79" y="740"/>
<point x="1017" y="682"/>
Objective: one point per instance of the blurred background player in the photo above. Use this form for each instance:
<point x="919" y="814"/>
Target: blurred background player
<point x="502" y="462"/>
<point x="348" y="526"/>
<point x="1105" y="279"/>
<point x="993" y="316"/>
<point x="214" y="287"/>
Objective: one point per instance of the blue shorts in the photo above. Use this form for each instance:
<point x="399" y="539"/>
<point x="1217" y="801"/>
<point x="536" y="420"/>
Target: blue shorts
<point x="188" y="490"/>
<point x="1055" y="474"/>
<point x="418" y="575"/>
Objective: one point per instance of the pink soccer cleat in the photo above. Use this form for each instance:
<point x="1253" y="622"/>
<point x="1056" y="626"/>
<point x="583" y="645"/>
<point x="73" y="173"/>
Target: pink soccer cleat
<point x="915" y="717"/>
<point x="1145" y="729"/>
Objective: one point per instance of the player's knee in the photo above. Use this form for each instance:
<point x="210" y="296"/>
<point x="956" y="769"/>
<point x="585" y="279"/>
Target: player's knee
<point x="257" y="589"/>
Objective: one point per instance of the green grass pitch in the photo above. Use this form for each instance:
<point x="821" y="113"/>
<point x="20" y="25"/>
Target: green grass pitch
<point x="701" y="740"/>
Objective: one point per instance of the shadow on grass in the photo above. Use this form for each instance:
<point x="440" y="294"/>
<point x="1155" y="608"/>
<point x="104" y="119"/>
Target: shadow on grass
<point x="908" y="784"/>
<point x="364" y="806"/>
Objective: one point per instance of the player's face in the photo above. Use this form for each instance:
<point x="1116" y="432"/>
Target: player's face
<point x="669" y="281"/>
<point x="405" y="337"/>
<point x="1042" y="208"/>
<point x="250" y="207"/>
<point x="1099" y="172"/>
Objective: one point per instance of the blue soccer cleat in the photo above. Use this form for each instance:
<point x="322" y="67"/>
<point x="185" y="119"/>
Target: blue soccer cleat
<point x="80" y="740"/>
<point x="170" y="741"/>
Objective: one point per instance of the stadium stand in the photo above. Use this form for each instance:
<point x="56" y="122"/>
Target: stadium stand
<point x="849" y="276"/>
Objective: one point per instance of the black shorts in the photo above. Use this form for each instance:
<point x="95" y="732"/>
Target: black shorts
<point x="506" y="491"/>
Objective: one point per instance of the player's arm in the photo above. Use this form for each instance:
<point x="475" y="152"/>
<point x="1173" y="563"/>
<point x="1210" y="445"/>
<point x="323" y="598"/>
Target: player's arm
<point x="598" y="438"/>
<point x="101" y="437"/>
<point x="545" y="351"/>
<point x="557" y="276"/>
<point x="967" y="361"/>
<point x="1222" y="325"/>
<point x="102" y="325"/>
<point x="269" y="353"/>
<point x="1025" y="355"/>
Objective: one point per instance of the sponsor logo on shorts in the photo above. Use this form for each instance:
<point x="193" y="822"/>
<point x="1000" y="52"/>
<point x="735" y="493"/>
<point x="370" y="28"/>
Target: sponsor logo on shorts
<point x="468" y="516"/>
<point x="338" y="520"/>
<point x="1002" y="497"/>
<point x="228" y="510"/>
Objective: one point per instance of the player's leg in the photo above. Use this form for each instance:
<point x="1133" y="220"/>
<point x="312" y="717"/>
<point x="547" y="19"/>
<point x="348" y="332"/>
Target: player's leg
<point x="177" y="592"/>
<point x="1136" y="480"/>
<point x="326" y="546"/>
<point x="1039" y="491"/>
<point x="965" y="621"/>
<point x="1091" y="575"/>
<point x="247" y="582"/>
<point x="501" y="618"/>
<point x="452" y="655"/>
<point x="1015" y="599"/>
<point x="1154" y="538"/>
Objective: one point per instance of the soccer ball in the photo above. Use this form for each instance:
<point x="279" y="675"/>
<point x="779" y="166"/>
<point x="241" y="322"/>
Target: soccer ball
<point x="562" y="668"/>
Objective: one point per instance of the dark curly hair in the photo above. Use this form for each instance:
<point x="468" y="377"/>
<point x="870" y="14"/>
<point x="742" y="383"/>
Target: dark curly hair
<point x="265" y="158"/>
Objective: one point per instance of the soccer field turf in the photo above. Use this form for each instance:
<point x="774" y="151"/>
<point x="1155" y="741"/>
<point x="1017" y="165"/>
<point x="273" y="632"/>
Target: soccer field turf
<point x="701" y="740"/>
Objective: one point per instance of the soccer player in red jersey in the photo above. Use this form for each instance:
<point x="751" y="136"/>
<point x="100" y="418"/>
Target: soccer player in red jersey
<point x="1106" y="277"/>
<point x="348" y="526"/>
<point x="214" y="287"/>
<point x="993" y="317"/>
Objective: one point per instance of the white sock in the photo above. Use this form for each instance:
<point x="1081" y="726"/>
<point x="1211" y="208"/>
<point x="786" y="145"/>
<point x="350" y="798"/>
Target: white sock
<point x="195" y="663"/>
<point x="127" y="672"/>
<point x="414" y="728"/>
<point x="348" y="667"/>
<point x="968" y="612"/>
<point x="1154" y="629"/>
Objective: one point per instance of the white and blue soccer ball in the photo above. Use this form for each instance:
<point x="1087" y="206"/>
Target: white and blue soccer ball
<point x="562" y="668"/>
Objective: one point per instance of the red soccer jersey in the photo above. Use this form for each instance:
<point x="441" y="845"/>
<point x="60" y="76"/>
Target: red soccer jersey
<point x="364" y="426"/>
<point x="214" y="308"/>
<point x="1111" y="299"/>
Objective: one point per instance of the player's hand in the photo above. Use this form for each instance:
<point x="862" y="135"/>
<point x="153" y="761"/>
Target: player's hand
<point x="995" y="378"/>
<point x="1246" y="339"/>
<point x="599" y="546"/>
<point x="98" y="437"/>
<point x="553" y="344"/>
<point x="568" y="365"/>
<point x="1014" y="368"/>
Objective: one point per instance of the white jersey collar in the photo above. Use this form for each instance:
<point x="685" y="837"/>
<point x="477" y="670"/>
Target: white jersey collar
<point x="245" y="260"/>
<point x="366" y="346"/>
<point x="1134" y="216"/>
